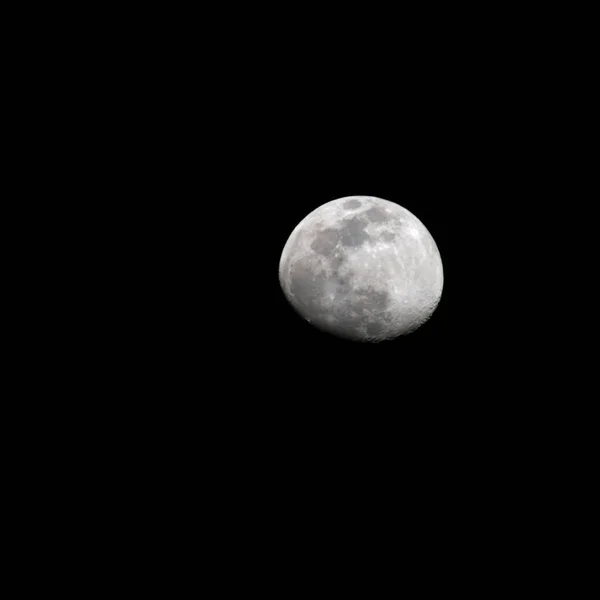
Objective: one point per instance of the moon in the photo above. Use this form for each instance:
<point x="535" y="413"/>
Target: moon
<point x="362" y="268"/>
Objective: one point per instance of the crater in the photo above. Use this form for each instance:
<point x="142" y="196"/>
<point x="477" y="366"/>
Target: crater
<point x="351" y="204"/>
<point x="387" y="236"/>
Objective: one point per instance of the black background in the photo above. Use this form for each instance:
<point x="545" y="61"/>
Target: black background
<point x="233" y="144"/>
<point x="210" y="150"/>
<point x="185" y="409"/>
<point x="245" y="147"/>
<point x="244" y="152"/>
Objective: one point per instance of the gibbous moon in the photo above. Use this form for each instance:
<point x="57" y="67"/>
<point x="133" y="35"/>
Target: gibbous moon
<point x="362" y="268"/>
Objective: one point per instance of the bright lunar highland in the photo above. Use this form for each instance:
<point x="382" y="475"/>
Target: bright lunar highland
<point x="362" y="268"/>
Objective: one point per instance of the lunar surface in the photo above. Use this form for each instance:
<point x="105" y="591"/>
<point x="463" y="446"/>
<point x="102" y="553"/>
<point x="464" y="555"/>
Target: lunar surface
<point x="362" y="268"/>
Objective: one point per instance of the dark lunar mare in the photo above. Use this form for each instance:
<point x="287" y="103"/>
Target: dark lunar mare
<point x="351" y="234"/>
<point x="325" y="241"/>
<point x="352" y="204"/>
<point x="376" y="215"/>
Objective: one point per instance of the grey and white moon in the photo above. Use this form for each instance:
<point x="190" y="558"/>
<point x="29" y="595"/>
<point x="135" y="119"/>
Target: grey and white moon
<point x="362" y="268"/>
